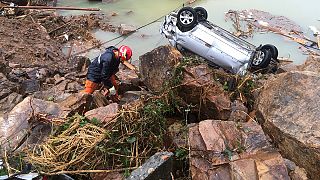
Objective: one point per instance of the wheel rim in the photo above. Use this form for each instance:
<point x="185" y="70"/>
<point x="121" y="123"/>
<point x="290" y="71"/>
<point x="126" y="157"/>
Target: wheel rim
<point x="186" y="17"/>
<point x="259" y="59"/>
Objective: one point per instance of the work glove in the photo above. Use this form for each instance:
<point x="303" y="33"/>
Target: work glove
<point x="112" y="91"/>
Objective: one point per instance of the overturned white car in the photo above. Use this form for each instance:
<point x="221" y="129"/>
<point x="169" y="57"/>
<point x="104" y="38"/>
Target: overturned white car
<point x="189" y="29"/>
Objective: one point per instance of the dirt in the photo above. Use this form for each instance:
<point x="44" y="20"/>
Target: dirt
<point x="36" y="38"/>
<point x="28" y="44"/>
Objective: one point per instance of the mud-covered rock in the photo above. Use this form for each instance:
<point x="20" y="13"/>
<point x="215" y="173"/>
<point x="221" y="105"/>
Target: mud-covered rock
<point x="229" y="150"/>
<point x="288" y="109"/>
<point x="207" y="95"/>
<point x="156" y="66"/>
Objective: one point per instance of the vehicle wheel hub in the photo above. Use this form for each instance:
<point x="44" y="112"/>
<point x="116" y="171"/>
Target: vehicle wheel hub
<point x="186" y="17"/>
<point x="259" y="59"/>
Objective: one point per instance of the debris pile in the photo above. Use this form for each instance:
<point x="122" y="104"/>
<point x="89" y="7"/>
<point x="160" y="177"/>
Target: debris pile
<point x="247" y="21"/>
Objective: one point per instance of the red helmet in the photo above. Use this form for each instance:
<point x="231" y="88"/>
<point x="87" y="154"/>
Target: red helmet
<point x="125" y="53"/>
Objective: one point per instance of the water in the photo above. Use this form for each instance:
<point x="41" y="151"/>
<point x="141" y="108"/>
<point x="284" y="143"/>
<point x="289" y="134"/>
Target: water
<point x="148" y="38"/>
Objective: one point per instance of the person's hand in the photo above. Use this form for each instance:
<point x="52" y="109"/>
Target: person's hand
<point x="112" y="91"/>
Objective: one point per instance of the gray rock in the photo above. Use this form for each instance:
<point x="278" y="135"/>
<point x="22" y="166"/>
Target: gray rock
<point x="30" y="86"/>
<point x="14" y="125"/>
<point x="288" y="109"/>
<point x="7" y="103"/>
<point x="158" y="166"/>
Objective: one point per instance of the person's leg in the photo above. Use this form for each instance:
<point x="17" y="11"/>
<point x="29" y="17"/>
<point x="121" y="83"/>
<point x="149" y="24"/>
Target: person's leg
<point x="90" y="87"/>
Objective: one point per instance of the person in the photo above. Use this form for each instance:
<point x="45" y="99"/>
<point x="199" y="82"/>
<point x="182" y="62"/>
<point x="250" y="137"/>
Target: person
<point x="102" y="70"/>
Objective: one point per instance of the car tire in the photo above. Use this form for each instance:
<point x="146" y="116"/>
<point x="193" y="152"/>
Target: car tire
<point x="263" y="59"/>
<point x="187" y="19"/>
<point x="272" y="49"/>
<point x="202" y="13"/>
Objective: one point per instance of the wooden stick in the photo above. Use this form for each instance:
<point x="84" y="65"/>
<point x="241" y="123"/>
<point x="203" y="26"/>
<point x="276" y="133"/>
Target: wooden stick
<point x="89" y="171"/>
<point x="50" y="7"/>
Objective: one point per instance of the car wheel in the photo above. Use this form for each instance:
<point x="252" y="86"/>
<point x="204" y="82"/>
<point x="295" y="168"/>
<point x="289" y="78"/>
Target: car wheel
<point x="202" y="13"/>
<point x="262" y="59"/>
<point x="272" y="49"/>
<point x="187" y="19"/>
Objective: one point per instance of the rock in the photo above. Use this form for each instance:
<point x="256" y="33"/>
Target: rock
<point x="239" y="112"/>
<point x="103" y="114"/>
<point x="30" y="86"/>
<point x="291" y="166"/>
<point x="78" y="103"/>
<point x="107" y="176"/>
<point x="156" y="66"/>
<point x="6" y="86"/>
<point x="78" y="63"/>
<point x="56" y="93"/>
<point x="125" y="29"/>
<point x="311" y="64"/>
<point x="14" y="125"/>
<point x="299" y="174"/>
<point x="4" y="68"/>
<point x="7" y="103"/>
<point x="200" y="89"/>
<point x="158" y="166"/>
<point x="58" y="79"/>
<point x="129" y="81"/>
<point x="229" y="150"/>
<point x="288" y="109"/>
<point x="132" y="96"/>
<point x="74" y="87"/>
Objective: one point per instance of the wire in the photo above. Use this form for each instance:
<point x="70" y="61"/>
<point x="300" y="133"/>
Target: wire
<point x="125" y="36"/>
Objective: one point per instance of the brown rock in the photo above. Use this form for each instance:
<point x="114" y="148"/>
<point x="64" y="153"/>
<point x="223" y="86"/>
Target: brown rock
<point x="7" y="103"/>
<point x="229" y="150"/>
<point x="125" y="29"/>
<point x="200" y="89"/>
<point x="77" y="103"/>
<point x="288" y="108"/>
<point x="104" y="114"/>
<point x="239" y="112"/>
<point x="107" y="176"/>
<point x="129" y="80"/>
<point x="156" y="66"/>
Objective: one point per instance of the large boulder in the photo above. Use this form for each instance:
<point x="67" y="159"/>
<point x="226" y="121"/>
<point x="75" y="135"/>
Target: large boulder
<point x="14" y="126"/>
<point x="199" y="88"/>
<point x="229" y="150"/>
<point x="288" y="108"/>
<point x="156" y="66"/>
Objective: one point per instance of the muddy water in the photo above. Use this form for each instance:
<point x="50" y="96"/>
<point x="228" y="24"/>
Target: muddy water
<point x="145" y="11"/>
